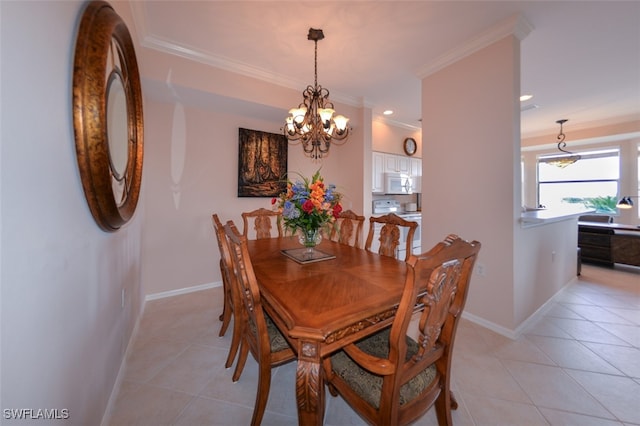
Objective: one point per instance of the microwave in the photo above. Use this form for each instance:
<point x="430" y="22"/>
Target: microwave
<point x="397" y="183"/>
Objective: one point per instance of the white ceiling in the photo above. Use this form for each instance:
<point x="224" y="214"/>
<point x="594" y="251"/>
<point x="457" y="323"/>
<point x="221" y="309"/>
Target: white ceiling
<point x="581" y="59"/>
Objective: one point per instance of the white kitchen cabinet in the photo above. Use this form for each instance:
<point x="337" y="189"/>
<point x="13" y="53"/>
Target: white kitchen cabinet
<point x="377" y="178"/>
<point x="392" y="163"/>
<point x="396" y="164"/>
<point x="416" y="174"/>
<point x="416" y="167"/>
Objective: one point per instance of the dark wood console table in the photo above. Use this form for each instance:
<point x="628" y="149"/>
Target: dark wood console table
<point x="609" y="243"/>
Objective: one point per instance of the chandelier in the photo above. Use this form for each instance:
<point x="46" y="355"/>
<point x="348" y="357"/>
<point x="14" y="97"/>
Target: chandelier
<point x="312" y="122"/>
<point x="564" y="160"/>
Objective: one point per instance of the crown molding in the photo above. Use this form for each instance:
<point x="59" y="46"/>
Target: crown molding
<point x="585" y="141"/>
<point x="516" y="25"/>
<point x="151" y="41"/>
<point x="386" y="120"/>
<point x="237" y="67"/>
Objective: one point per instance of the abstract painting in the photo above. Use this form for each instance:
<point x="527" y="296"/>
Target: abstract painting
<point x="262" y="163"/>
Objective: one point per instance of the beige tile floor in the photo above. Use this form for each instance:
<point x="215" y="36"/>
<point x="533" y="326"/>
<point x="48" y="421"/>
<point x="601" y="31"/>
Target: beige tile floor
<point x="578" y="365"/>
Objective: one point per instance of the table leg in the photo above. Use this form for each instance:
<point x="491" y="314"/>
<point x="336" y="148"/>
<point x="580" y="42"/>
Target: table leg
<point x="309" y="385"/>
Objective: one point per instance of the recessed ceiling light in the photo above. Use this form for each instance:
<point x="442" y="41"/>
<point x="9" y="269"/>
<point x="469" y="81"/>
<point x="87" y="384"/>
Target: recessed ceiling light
<point x="525" y="97"/>
<point x="388" y="112"/>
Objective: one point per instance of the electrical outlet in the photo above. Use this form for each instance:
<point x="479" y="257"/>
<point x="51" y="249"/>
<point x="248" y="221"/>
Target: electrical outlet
<point x="553" y="256"/>
<point x="122" y="298"/>
<point x="480" y="269"/>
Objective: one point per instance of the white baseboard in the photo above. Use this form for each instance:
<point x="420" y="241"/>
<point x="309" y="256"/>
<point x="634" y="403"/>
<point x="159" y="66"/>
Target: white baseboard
<point x="532" y="319"/>
<point x="542" y="310"/>
<point x="123" y="366"/>
<point x="179" y="291"/>
<point x="490" y="325"/>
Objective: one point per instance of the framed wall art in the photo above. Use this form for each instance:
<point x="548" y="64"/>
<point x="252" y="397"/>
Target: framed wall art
<point x="262" y="163"/>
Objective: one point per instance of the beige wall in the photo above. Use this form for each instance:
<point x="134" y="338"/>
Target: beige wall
<point x="545" y="259"/>
<point x="472" y="150"/>
<point x="191" y="167"/>
<point x="388" y="137"/>
<point x="64" y="327"/>
<point x="471" y="128"/>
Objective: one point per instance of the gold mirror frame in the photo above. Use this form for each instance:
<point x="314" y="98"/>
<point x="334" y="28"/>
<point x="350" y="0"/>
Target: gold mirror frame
<point x="105" y="54"/>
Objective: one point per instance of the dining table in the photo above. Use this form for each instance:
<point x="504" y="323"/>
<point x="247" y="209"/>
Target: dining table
<point x="323" y="304"/>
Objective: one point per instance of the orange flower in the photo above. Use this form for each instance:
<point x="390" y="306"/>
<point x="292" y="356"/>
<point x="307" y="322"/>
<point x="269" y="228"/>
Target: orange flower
<point x="308" y="204"/>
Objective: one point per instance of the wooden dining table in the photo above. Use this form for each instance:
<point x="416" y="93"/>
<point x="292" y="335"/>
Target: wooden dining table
<point x="322" y="306"/>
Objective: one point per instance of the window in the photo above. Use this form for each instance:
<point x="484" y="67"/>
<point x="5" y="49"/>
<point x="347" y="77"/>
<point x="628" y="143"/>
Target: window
<point x="592" y="181"/>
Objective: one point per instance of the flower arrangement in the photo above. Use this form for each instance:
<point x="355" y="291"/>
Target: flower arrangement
<point x="308" y="204"/>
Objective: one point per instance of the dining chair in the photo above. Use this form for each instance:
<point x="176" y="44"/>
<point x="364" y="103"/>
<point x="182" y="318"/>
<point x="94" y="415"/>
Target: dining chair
<point x="347" y="228"/>
<point x="393" y="227"/>
<point x="230" y="300"/>
<point x="259" y="335"/>
<point x="263" y="221"/>
<point x="391" y="378"/>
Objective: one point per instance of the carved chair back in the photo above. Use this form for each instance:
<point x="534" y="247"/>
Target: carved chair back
<point x="390" y="233"/>
<point x="392" y="378"/>
<point x="231" y="300"/>
<point x="262" y="223"/>
<point x="348" y="228"/>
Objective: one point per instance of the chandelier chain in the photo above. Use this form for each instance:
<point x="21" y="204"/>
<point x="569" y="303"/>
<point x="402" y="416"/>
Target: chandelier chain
<point x="561" y="136"/>
<point x="315" y="67"/>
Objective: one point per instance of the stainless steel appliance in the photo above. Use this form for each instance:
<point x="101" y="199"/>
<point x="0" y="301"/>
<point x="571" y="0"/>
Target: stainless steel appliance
<point x="381" y="207"/>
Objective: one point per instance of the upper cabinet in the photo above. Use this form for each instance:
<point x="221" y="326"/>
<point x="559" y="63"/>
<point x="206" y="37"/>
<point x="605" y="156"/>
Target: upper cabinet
<point x="416" y="174"/>
<point x="392" y="163"/>
<point x="377" y="180"/>
<point x="396" y="164"/>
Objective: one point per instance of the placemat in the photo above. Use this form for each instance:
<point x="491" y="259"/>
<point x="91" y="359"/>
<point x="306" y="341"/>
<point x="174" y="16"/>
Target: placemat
<point x="303" y="255"/>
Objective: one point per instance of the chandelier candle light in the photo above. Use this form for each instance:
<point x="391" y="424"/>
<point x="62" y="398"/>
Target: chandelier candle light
<point x="313" y="121"/>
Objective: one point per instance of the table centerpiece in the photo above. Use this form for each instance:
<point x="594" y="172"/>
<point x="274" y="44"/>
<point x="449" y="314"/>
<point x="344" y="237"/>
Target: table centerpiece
<point x="308" y="206"/>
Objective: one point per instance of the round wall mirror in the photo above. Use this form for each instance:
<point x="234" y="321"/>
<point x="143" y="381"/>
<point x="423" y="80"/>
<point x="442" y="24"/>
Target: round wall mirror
<point x="117" y="131"/>
<point x="107" y="116"/>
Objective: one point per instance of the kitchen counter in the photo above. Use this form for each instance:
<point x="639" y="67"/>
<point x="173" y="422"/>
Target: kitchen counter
<point x="539" y="217"/>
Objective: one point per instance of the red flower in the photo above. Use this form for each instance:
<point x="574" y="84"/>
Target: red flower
<point x="337" y="209"/>
<point x="307" y="206"/>
<point x="273" y="200"/>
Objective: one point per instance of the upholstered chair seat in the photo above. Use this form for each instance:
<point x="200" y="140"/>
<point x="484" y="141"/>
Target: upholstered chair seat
<point x="391" y="379"/>
<point x="369" y="386"/>
<point x="276" y="339"/>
